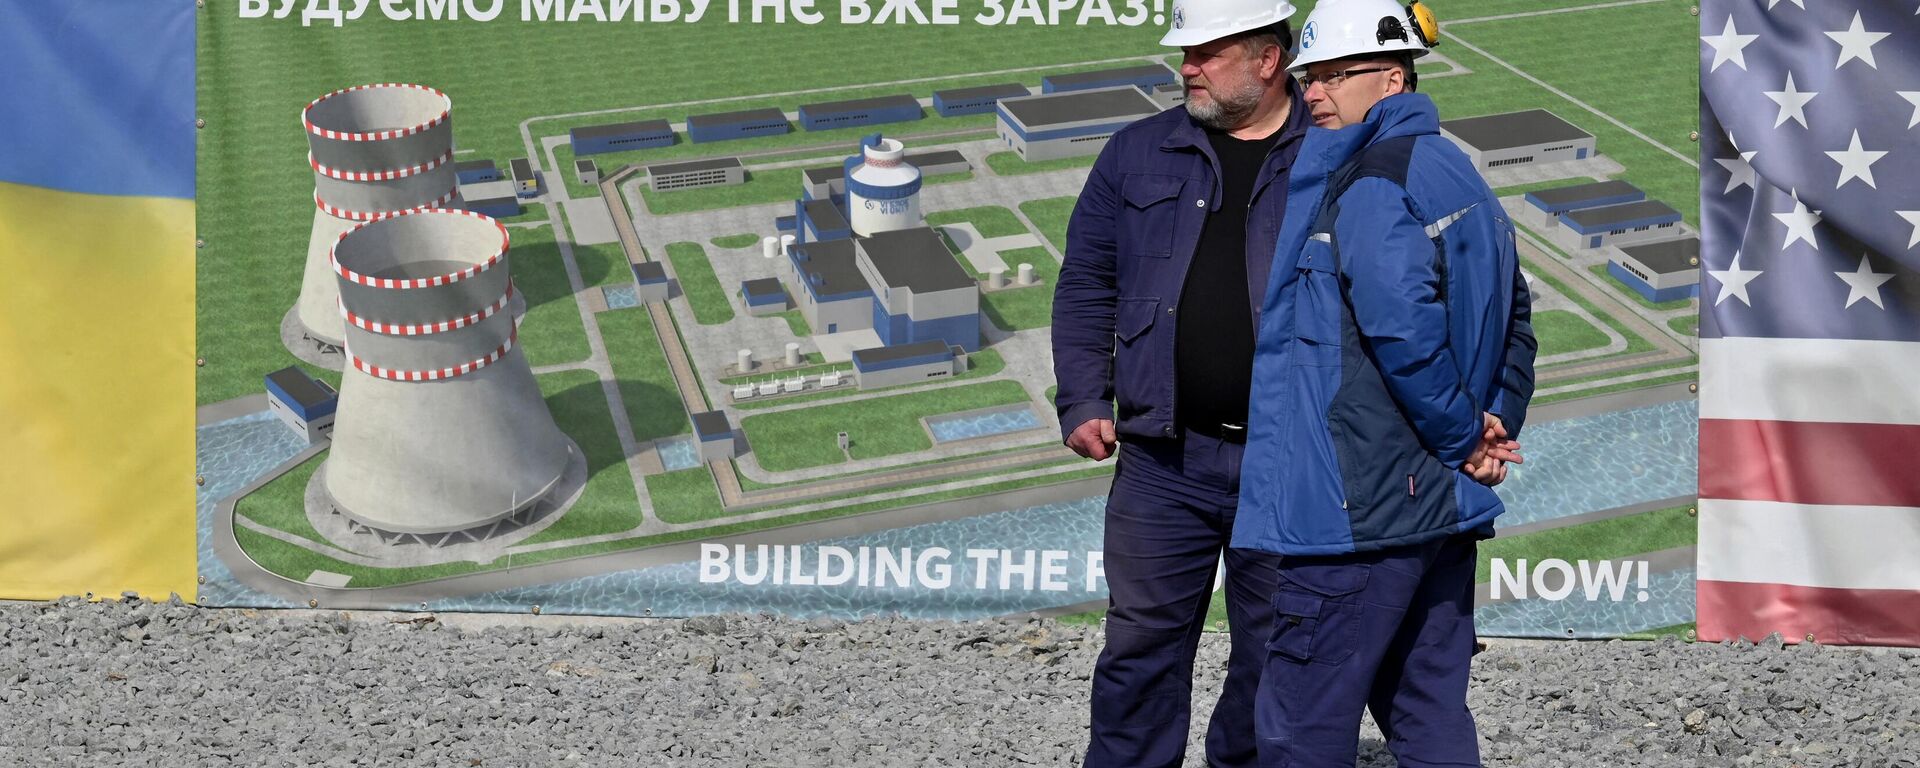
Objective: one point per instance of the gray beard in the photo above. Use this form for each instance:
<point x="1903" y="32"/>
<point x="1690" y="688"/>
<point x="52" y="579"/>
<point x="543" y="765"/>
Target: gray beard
<point x="1226" y="111"/>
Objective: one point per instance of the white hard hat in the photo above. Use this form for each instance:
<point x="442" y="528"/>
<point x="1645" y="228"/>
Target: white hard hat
<point x="1196" y="22"/>
<point x="1338" y="29"/>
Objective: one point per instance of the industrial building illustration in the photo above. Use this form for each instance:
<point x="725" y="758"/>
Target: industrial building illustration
<point x="441" y="433"/>
<point x="375" y="150"/>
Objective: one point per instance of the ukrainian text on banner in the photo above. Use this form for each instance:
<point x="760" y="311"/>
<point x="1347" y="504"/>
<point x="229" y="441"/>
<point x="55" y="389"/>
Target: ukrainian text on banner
<point x="96" y="334"/>
<point x="671" y="408"/>
<point x="1810" y="510"/>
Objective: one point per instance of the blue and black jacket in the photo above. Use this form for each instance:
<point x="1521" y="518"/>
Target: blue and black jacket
<point x="1396" y="314"/>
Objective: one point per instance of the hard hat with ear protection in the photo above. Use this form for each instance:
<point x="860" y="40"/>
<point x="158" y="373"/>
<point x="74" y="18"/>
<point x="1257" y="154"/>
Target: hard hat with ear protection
<point x="1339" y="29"/>
<point x="1197" y="22"/>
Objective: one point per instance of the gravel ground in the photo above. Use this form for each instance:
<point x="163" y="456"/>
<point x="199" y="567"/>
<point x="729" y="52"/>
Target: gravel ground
<point x="141" y="683"/>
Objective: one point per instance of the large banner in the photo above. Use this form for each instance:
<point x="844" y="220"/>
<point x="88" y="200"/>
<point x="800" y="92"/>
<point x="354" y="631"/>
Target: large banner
<point x="572" y="305"/>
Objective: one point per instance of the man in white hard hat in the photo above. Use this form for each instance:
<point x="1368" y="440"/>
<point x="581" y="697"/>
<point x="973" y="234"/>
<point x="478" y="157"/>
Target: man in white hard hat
<point x="1168" y="254"/>
<point x="1394" y="368"/>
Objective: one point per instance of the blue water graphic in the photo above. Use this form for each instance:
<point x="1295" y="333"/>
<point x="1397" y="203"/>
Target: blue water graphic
<point x="620" y="296"/>
<point x="1072" y="528"/>
<point x="947" y="429"/>
<point x="1575" y="466"/>
<point x="231" y="454"/>
<point x="1604" y="461"/>
<point x="678" y="454"/>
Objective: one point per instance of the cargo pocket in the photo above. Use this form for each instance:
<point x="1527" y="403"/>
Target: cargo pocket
<point x="1296" y="618"/>
<point x="1138" y="371"/>
<point x="1316" y="618"/>
<point x="1133" y="317"/>
<point x="1319" y="309"/>
<point x="1153" y="203"/>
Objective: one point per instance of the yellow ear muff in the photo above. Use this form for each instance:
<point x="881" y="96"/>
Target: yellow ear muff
<point x="1421" y="19"/>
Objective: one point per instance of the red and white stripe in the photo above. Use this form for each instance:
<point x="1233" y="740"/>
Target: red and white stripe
<point x="424" y="329"/>
<point x="419" y="282"/>
<point x="1810" y="490"/>
<point x="462" y="369"/>
<point x="387" y="175"/>
<point x="342" y="213"/>
<point x="306" y="115"/>
<point x="883" y="162"/>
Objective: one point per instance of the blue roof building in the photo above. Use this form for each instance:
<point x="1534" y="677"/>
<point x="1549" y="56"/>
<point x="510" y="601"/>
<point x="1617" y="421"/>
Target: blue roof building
<point x="1143" y="77"/>
<point x="737" y="125"/>
<point x="859" y="112"/>
<point x="644" y="134"/>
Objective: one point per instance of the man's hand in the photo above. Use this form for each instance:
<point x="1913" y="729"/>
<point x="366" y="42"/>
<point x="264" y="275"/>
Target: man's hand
<point x="1488" y="463"/>
<point x="1489" y="473"/>
<point x="1093" y="439"/>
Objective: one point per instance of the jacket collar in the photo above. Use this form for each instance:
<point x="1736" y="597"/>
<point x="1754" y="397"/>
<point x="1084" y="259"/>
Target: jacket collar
<point x="1406" y="114"/>
<point x="1403" y="114"/>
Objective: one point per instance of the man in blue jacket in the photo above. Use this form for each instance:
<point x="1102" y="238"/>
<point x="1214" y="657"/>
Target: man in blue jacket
<point x="1394" y="361"/>
<point x="1168" y="253"/>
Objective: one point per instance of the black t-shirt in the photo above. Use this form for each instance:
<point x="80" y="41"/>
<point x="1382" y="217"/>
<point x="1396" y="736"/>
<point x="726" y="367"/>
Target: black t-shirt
<point x="1213" y="345"/>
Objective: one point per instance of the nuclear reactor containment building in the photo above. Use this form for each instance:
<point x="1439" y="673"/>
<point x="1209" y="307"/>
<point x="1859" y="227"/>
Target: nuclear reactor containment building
<point x="883" y="189"/>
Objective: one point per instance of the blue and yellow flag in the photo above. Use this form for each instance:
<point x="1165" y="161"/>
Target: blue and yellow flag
<point x="96" y="298"/>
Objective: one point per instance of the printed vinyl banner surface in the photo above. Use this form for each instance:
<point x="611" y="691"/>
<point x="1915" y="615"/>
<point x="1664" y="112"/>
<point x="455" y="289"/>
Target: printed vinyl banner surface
<point x="659" y="375"/>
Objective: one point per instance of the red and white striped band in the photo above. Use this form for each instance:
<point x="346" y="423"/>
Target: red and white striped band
<point x="419" y="282"/>
<point x="395" y="133"/>
<point x="434" y="375"/>
<point x="883" y="162"/>
<point x="423" y="329"/>
<point x="342" y="213"/>
<point x="397" y="173"/>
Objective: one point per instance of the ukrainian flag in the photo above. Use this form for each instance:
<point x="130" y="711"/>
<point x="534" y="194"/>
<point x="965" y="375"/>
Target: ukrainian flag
<point x="96" y="298"/>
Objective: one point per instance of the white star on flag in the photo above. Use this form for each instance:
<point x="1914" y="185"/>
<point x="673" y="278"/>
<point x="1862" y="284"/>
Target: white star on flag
<point x="1912" y="97"/>
<point x="1739" y="170"/>
<point x="1801" y="3"/>
<point x="1727" y="46"/>
<point x="1864" y="283"/>
<point x="1793" y="103"/>
<point x="1912" y="217"/>
<point x="1733" y="281"/>
<point x="1800" y="223"/>
<point x="1856" y="43"/>
<point x="1856" y="163"/>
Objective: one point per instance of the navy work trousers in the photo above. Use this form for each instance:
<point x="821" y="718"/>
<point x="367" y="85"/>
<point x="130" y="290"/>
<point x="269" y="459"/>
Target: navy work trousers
<point x="1168" y="521"/>
<point x="1389" y="631"/>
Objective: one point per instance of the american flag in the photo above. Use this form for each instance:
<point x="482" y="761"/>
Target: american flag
<point x="1810" y="320"/>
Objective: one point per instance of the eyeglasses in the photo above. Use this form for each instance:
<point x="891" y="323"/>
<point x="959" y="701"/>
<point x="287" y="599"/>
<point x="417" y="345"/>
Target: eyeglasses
<point x="1332" y="80"/>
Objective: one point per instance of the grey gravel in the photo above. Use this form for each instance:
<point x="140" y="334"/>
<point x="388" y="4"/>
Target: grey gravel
<point x="143" y="683"/>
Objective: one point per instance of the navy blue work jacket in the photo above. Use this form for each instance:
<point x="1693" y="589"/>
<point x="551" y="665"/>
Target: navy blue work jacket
<point x="1129" y="244"/>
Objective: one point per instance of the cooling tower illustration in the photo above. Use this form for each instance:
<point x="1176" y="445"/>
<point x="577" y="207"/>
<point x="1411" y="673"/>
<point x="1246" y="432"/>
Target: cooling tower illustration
<point x="442" y="435"/>
<point x="375" y="150"/>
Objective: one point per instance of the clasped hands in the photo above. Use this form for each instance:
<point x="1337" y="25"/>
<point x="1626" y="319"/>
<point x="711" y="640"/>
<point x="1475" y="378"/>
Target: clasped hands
<point x="1488" y="462"/>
